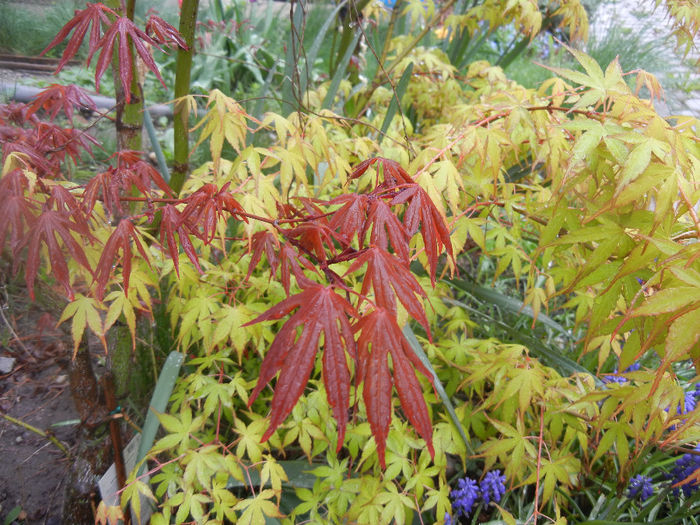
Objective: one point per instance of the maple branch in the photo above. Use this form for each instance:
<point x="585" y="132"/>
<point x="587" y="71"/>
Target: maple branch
<point x="266" y="220"/>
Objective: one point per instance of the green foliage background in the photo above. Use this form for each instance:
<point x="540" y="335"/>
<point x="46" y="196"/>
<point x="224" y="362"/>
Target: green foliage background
<point x="564" y="197"/>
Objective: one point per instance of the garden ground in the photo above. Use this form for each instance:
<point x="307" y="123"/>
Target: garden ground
<point x="36" y="391"/>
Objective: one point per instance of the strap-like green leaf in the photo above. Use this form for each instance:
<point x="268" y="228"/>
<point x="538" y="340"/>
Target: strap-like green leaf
<point x="509" y="304"/>
<point x="418" y="349"/>
<point x="394" y="105"/>
<point x="159" y="401"/>
<point x="340" y="73"/>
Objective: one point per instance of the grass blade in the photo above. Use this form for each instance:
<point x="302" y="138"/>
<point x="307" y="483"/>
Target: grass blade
<point x="340" y="73"/>
<point x="418" y="350"/>
<point x="155" y="144"/>
<point x="509" y="304"/>
<point x="316" y="45"/>
<point x="395" y="103"/>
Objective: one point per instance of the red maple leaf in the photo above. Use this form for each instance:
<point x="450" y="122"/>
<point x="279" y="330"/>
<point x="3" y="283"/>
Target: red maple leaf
<point x="93" y="15"/>
<point x="207" y="205"/>
<point x="386" y="226"/>
<point x="109" y="186"/>
<point x="132" y="167"/>
<point x="164" y="33"/>
<point x="44" y="230"/>
<point x="171" y="222"/>
<point x="56" y="143"/>
<point x="57" y="97"/>
<point x="349" y="220"/>
<point x="314" y="237"/>
<point x="124" y="30"/>
<point x="16" y="114"/>
<point x="320" y="310"/>
<point x="64" y="201"/>
<point x="380" y="337"/>
<point x="393" y="173"/>
<point x="130" y="170"/>
<point x="119" y="240"/>
<point x="16" y="212"/>
<point x="264" y="241"/>
<point x="34" y="159"/>
<point x="390" y="277"/>
<point x="422" y="213"/>
<point x="291" y="263"/>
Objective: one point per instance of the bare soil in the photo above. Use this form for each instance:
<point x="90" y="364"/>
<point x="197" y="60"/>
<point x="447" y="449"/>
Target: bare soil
<point x="36" y="391"/>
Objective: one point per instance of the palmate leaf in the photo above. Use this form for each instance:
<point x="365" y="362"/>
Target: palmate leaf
<point x="264" y="241"/>
<point x="359" y="213"/>
<point x="394" y="175"/>
<point x="380" y="337"/>
<point x="391" y="278"/>
<point x="93" y="15"/>
<point x="313" y="236"/>
<point x="57" y="97"/>
<point x="349" y="219"/>
<point x="17" y="212"/>
<point x="320" y="310"/>
<point x="422" y="213"/>
<point x="386" y="226"/>
<point x="164" y="33"/>
<point x="44" y="230"/>
<point x="56" y="143"/>
<point x="206" y="206"/>
<point x="119" y="240"/>
<point x="131" y="170"/>
<point x="172" y="222"/>
<point x="124" y="29"/>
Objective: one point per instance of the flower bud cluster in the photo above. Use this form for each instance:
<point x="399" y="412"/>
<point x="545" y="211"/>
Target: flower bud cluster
<point x="467" y="493"/>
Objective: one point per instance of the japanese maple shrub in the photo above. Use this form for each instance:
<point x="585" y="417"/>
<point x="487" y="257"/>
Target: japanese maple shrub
<point x="98" y="249"/>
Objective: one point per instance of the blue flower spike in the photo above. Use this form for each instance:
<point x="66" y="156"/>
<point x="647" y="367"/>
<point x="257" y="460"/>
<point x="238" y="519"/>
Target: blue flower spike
<point x="685" y="466"/>
<point x="640" y="487"/>
<point x="464" y="497"/>
<point x="493" y="486"/>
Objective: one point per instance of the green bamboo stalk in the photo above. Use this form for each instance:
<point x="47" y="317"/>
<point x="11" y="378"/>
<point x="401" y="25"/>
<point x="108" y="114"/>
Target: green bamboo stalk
<point x="188" y="21"/>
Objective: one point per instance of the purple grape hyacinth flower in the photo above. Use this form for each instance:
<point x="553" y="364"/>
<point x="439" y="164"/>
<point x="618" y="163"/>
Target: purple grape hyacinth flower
<point x="493" y="486"/>
<point x="691" y="400"/>
<point x="464" y="497"/>
<point x="617" y="379"/>
<point x="685" y="466"/>
<point x="641" y="487"/>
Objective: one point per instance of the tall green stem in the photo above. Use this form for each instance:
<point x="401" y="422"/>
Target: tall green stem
<point x="188" y="21"/>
